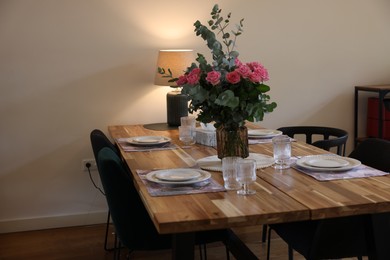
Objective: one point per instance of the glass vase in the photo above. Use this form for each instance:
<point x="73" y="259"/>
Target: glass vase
<point x="232" y="142"/>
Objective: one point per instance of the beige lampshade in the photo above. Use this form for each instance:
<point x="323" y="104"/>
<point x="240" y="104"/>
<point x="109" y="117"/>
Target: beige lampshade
<point x="175" y="60"/>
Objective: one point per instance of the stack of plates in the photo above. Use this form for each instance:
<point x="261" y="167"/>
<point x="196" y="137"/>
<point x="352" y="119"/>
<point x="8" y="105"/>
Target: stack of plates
<point x="331" y="163"/>
<point x="148" y="140"/>
<point x="178" y="176"/>
<point x="263" y="133"/>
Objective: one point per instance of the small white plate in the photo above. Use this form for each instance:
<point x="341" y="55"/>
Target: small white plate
<point x="304" y="162"/>
<point x="177" y="175"/>
<point x="263" y="133"/>
<point x="148" y="140"/>
<point x="203" y="175"/>
<point x="213" y="163"/>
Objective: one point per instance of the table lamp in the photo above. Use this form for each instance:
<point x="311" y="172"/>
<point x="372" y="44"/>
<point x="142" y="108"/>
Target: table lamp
<point x="177" y="62"/>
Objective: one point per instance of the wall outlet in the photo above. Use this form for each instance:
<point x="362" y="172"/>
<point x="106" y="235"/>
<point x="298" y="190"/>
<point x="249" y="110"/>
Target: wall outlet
<point x="92" y="162"/>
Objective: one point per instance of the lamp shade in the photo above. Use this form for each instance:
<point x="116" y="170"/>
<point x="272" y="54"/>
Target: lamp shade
<point x="175" y="60"/>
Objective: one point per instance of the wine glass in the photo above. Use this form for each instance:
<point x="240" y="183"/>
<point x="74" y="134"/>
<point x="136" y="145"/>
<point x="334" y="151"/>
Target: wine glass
<point x="246" y="174"/>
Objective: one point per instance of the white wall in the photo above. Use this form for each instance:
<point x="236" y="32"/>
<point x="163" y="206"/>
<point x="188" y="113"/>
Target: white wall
<point x="69" y="66"/>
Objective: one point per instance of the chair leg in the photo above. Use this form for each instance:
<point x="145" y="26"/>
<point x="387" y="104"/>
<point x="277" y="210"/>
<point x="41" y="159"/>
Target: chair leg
<point x="117" y="248"/>
<point x="269" y="243"/>
<point x="200" y="252"/>
<point x="107" y="229"/>
<point x="264" y="233"/>
<point x="227" y="253"/>
<point x="290" y="253"/>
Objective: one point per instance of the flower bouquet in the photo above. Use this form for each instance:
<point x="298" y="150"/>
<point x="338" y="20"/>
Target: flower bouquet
<point x="226" y="91"/>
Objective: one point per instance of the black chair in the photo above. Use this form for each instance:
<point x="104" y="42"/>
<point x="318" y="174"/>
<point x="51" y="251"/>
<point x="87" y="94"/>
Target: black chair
<point x="330" y="137"/>
<point x="98" y="141"/>
<point x="325" y="239"/>
<point x="373" y="152"/>
<point x="132" y="223"/>
<point x="341" y="237"/>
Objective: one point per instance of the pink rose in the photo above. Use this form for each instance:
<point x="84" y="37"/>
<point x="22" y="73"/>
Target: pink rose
<point x="181" y="80"/>
<point x="259" y="72"/>
<point x="194" y="76"/>
<point x="233" y="77"/>
<point x="213" y="77"/>
<point x="244" y="71"/>
<point x="255" y="77"/>
<point x="238" y="62"/>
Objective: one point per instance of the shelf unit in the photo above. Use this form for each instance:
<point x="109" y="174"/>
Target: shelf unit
<point x="382" y="91"/>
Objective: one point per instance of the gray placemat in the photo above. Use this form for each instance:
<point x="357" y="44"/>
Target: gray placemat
<point x="157" y="189"/>
<point x="361" y="171"/>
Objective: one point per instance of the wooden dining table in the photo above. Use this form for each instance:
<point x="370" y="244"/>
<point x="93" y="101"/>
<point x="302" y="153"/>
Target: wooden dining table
<point x="281" y="195"/>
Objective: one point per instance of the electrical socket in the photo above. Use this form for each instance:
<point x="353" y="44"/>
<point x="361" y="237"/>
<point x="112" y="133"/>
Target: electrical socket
<point x="92" y="162"/>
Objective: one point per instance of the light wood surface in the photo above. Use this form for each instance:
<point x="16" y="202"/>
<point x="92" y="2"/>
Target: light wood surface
<point x="281" y="196"/>
<point x="206" y="211"/>
<point x="327" y="199"/>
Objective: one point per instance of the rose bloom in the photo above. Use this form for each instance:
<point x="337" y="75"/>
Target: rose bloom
<point x="260" y="73"/>
<point x="237" y="62"/>
<point x="181" y="80"/>
<point x="194" y="76"/>
<point x="213" y="77"/>
<point x="233" y="77"/>
<point x="244" y="71"/>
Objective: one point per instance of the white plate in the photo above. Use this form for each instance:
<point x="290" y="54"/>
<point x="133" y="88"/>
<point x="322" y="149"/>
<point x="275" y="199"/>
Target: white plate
<point x="178" y="175"/>
<point x="203" y="175"/>
<point x="213" y="163"/>
<point x="303" y="162"/>
<point x="263" y="133"/>
<point x="148" y="140"/>
<point x="327" y="162"/>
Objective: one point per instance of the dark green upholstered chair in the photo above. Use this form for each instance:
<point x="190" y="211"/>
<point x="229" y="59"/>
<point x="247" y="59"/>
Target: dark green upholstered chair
<point x="132" y="223"/>
<point x="99" y="141"/>
<point x="373" y="152"/>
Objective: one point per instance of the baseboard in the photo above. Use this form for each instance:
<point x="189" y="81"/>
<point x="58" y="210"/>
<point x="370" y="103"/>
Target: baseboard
<point x="53" y="222"/>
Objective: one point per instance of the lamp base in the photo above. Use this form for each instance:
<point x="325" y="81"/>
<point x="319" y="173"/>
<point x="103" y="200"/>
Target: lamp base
<point x="177" y="107"/>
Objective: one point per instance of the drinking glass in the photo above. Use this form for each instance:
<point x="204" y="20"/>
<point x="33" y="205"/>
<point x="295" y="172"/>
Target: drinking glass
<point x="246" y="174"/>
<point x="229" y="172"/>
<point x="188" y="121"/>
<point x="186" y="135"/>
<point x="282" y="151"/>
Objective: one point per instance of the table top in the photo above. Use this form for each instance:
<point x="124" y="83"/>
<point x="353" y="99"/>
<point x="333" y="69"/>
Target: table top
<point x="281" y="196"/>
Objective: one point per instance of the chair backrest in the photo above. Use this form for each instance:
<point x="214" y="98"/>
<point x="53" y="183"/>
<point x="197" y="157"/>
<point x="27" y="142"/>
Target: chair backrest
<point x="132" y="223"/>
<point x="330" y="137"/>
<point x="373" y="152"/>
<point x="98" y="141"/>
<point x="340" y="238"/>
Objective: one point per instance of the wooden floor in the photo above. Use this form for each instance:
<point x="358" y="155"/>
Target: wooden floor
<point x="87" y="243"/>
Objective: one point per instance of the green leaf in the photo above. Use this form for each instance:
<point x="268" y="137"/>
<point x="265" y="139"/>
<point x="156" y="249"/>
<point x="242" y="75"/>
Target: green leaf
<point x="228" y="99"/>
<point x="263" y="88"/>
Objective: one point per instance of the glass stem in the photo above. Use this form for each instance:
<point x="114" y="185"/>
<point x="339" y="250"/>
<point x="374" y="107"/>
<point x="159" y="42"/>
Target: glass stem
<point x="245" y="188"/>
